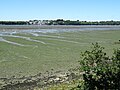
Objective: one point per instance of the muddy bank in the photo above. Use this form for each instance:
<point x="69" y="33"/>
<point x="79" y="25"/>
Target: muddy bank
<point x="40" y="80"/>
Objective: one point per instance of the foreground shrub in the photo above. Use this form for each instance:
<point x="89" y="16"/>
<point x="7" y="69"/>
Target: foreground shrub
<point x="99" y="70"/>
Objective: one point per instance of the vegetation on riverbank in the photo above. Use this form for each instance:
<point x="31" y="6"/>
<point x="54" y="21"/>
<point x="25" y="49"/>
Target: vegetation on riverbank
<point x="59" y="22"/>
<point x="99" y="70"/>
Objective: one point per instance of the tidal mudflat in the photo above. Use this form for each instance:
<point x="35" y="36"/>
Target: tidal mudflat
<point x="27" y="51"/>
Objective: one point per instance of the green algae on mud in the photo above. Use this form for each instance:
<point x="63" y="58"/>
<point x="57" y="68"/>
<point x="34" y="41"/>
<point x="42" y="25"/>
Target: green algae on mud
<point x="31" y="53"/>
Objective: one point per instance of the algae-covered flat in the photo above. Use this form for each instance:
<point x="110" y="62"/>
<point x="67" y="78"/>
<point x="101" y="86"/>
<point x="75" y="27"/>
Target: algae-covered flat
<point x="32" y="51"/>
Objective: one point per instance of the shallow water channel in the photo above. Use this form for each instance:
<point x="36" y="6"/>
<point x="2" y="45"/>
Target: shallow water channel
<point x="13" y="31"/>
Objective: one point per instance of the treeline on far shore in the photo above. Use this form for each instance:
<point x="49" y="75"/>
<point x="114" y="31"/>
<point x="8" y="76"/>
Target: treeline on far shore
<point x="59" y="22"/>
<point x="13" y="23"/>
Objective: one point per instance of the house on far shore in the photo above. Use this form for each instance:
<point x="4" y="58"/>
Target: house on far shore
<point x="38" y="22"/>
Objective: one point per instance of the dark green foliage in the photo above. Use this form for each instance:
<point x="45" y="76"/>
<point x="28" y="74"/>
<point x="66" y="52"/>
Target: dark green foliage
<point x="13" y="22"/>
<point x="59" y="22"/>
<point x="69" y="22"/>
<point x="99" y="71"/>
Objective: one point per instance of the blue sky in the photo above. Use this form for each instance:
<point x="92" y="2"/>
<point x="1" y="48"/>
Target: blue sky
<point x="90" y="10"/>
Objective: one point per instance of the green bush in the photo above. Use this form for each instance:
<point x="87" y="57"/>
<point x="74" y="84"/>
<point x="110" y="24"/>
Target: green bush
<point x="100" y="71"/>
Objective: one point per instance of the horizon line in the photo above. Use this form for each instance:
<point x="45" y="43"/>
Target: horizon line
<point x="63" y="19"/>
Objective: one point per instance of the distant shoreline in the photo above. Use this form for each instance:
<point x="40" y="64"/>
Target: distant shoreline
<point x="6" y="27"/>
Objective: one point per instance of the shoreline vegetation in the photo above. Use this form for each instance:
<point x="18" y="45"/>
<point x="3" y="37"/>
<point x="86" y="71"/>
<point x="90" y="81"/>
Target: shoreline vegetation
<point x="59" y="22"/>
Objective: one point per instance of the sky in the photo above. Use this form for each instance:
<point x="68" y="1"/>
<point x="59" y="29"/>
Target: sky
<point x="84" y="10"/>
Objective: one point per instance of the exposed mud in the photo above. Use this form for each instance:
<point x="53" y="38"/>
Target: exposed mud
<point x="40" y="80"/>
